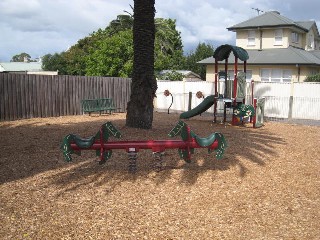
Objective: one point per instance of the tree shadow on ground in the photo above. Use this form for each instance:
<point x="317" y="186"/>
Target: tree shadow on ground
<point x="33" y="148"/>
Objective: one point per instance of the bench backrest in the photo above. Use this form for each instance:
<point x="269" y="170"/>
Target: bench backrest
<point x="96" y="104"/>
<point x="105" y="102"/>
<point x="89" y="104"/>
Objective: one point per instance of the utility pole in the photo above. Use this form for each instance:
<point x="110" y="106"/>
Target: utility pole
<point x="258" y="10"/>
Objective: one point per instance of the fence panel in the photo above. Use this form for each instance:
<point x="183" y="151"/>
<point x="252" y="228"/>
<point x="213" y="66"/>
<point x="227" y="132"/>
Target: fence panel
<point x="176" y="88"/>
<point x="306" y="101"/>
<point x="28" y="96"/>
<point x="306" y="108"/>
<point x="262" y="89"/>
<point x="277" y="97"/>
<point x="283" y="100"/>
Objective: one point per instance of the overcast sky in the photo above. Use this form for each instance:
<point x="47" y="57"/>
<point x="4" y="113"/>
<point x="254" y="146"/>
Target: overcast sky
<point x="39" y="27"/>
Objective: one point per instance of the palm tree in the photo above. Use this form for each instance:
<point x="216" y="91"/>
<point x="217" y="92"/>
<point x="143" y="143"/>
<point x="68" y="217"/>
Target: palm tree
<point x="123" y="22"/>
<point x="167" y="38"/>
<point x="144" y="85"/>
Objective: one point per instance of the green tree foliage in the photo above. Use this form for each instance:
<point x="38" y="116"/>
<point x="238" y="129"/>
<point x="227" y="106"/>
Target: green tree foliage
<point x="172" y="76"/>
<point x="55" y="62"/>
<point x="122" y="23"/>
<point x="202" y="51"/>
<point x="313" y="78"/>
<point x="168" y="45"/>
<point x="112" y="56"/>
<point x="109" y="52"/>
<point x="76" y="57"/>
<point x="21" y="57"/>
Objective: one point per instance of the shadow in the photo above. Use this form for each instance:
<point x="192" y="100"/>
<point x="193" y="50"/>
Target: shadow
<point x="32" y="147"/>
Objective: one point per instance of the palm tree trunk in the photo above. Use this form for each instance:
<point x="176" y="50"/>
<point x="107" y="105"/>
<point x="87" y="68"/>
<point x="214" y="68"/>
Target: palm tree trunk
<point x="144" y="85"/>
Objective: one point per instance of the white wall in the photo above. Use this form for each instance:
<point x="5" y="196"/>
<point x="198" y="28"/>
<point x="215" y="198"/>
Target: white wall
<point x="306" y="104"/>
<point x="302" y="99"/>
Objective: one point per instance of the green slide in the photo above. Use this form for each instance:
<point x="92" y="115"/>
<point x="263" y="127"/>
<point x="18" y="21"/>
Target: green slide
<point x="202" y="107"/>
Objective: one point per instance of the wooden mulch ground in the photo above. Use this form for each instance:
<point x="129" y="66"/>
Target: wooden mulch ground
<point x="267" y="186"/>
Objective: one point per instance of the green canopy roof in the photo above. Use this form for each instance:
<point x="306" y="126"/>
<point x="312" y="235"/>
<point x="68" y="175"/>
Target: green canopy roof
<point x="223" y="52"/>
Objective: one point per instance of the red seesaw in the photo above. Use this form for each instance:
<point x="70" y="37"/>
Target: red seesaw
<point x="75" y="144"/>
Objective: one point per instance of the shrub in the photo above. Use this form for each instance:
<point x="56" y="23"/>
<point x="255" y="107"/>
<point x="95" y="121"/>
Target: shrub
<point x="172" y="76"/>
<point x="313" y="78"/>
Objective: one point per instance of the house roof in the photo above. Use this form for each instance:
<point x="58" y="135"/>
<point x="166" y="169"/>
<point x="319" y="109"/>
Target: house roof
<point x="308" y="25"/>
<point x="315" y="53"/>
<point x="269" y="19"/>
<point x="277" y="56"/>
<point x="20" y="66"/>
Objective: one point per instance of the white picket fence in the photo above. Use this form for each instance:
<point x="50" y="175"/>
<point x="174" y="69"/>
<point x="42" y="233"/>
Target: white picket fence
<point x="283" y="100"/>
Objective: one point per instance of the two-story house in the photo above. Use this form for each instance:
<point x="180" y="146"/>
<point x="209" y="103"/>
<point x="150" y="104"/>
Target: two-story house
<point x="280" y="49"/>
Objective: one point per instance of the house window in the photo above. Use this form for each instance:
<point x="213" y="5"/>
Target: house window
<point x="316" y="45"/>
<point x="313" y="72"/>
<point x="249" y="75"/>
<point x="251" y="38"/>
<point x="286" y="75"/>
<point x="295" y="37"/>
<point x="310" y="41"/>
<point x="278" y="37"/>
<point x="276" y="75"/>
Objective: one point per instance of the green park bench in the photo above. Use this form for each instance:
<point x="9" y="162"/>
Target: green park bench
<point x="98" y="105"/>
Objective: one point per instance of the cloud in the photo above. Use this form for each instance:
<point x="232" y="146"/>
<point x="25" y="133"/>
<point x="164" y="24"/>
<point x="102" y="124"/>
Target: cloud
<point x="39" y="27"/>
<point x="44" y="26"/>
<point x="205" y="21"/>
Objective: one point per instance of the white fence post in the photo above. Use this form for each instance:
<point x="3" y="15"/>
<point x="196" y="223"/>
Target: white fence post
<point x="291" y="101"/>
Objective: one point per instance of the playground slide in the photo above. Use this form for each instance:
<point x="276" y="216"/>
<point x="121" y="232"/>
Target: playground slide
<point x="202" y="107"/>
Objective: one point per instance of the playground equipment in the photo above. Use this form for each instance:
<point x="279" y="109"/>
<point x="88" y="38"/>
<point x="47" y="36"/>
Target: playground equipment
<point x="202" y="107"/>
<point x="99" y="142"/>
<point x="167" y="93"/>
<point x="259" y="107"/>
<point x="234" y="93"/>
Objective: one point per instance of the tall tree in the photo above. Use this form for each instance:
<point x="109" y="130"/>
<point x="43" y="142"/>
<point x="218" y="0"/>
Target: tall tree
<point x="76" y="56"/>
<point x="109" y="51"/>
<point x="168" y="45"/>
<point x="202" y="51"/>
<point x="22" y="57"/>
<point x="144" y="84"/>
<point x="122" y="23"/>
<point x="55" y="62"/>
<point x="113" y="56"/>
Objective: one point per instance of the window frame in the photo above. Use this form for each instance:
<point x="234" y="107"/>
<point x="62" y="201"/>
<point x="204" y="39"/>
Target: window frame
<point x="278" y="37"/>
<point x="295" y="37"/>
<point x="270" y="75"/>
<point x="251" y="38"/>
<point x="311" y="41"/>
